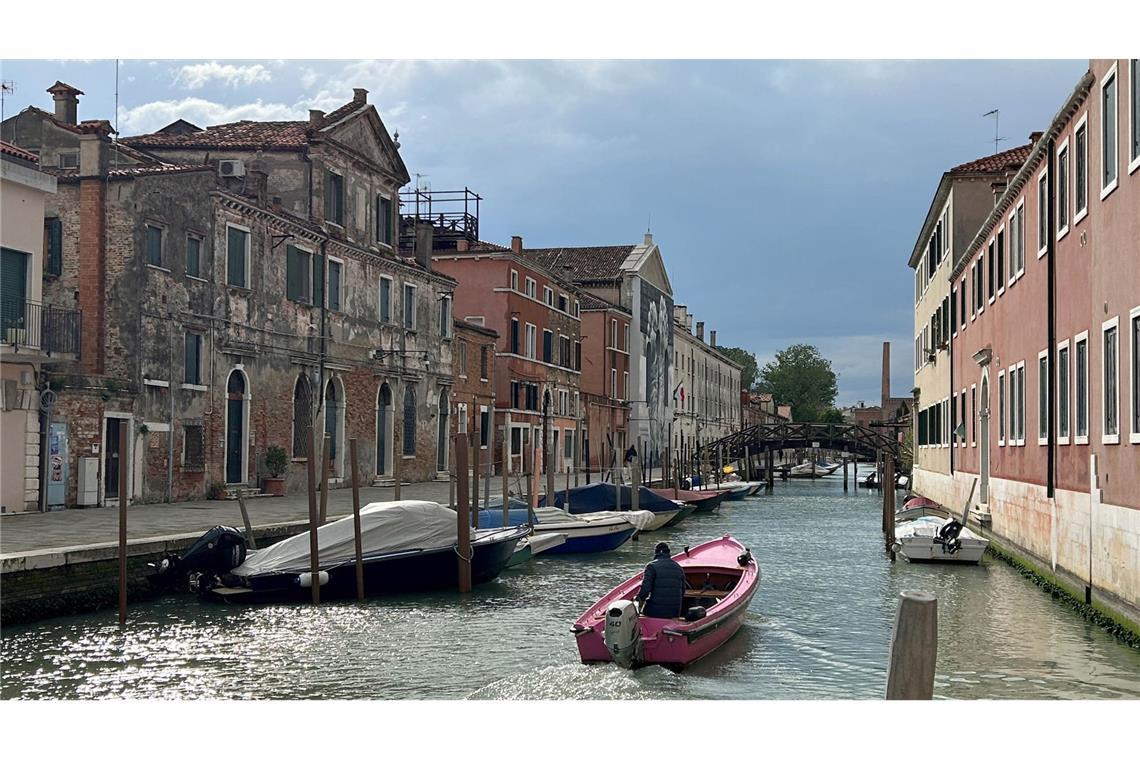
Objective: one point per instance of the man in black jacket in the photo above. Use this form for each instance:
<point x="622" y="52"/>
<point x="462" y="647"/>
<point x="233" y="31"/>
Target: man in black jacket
<point x="663" y="585"/>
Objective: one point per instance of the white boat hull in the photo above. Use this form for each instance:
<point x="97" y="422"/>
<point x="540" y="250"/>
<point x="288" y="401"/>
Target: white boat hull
<point x="917" y="544"/>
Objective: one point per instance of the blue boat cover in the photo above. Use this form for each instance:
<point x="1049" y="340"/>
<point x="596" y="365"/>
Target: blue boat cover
<point x="493" y="518"/>
<point x="604" y="497"/>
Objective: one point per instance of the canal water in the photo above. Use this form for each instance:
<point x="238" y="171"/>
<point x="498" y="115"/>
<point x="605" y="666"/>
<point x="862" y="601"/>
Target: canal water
<point x="819" y="628"/>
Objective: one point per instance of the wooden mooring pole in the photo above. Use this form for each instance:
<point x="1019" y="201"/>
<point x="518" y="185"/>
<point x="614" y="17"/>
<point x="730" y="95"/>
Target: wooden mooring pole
<point x="326" y="457"/>
<point x="124" y="497"/>
<point x="476" y="442"/>
<point x="845" y="462"/>
<point x="356" y="520"/>
<point x="463" y="514"/>
<point x="249" y="539"/>
<point x="397" y="461"/>
<point x="311" y="484"/>
<point x="506" y="477"/>
<point x="914" y="647"/>
<point x="889" y="504"/>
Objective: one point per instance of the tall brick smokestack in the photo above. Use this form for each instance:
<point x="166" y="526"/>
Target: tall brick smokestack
<point x="886" y="376"/>
<point x="94" y="151"/>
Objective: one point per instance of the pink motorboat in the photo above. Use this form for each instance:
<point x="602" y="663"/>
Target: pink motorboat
<point x="721" y="577"/>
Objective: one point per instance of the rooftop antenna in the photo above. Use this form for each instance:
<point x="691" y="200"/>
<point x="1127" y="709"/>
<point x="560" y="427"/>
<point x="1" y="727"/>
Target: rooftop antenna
<point x="996" y="113"/>
<point x="7" y="87"/>
<point x="115" y="139"/>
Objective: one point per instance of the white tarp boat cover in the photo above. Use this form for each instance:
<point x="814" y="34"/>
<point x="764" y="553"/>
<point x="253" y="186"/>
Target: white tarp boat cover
<point x="551" y="516"/>
<point x="385" y="527"/>
<point x="928" y="527"/>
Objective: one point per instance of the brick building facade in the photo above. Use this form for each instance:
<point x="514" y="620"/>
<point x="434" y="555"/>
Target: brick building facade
<point x="235" y="278"/>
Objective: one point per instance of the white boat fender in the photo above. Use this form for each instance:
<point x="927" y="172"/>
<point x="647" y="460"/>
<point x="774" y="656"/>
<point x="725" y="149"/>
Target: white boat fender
<point x="306" y="579"/>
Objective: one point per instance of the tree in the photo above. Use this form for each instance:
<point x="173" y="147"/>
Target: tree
<point x="746" y="360"/>
<point x="799" y="375"/>
<point x="832" y="415"/>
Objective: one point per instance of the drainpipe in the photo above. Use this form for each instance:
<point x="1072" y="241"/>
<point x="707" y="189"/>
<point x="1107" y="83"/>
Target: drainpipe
<point x="1051" y="311"/>
<point x="170" y="420"/>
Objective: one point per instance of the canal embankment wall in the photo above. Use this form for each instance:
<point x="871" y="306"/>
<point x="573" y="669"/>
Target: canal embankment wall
<point x="1075" y="542"/>
<point x="47" y="583"/>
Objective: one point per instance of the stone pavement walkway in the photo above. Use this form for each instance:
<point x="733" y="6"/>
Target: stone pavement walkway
<point x="25" y="532"/>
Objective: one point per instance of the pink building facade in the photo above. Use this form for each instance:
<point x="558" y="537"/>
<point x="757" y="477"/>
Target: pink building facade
<point x="1045" y="374"/>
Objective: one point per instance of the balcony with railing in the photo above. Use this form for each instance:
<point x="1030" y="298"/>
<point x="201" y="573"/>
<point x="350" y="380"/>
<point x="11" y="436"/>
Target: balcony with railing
<point x="31" y="330"/>
<point x="453" y="213"/>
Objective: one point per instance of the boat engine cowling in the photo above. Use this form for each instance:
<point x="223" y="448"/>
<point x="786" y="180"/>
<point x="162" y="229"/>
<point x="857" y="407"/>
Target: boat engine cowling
<point x="623" y="632"/>
<point x="219" y="550"/>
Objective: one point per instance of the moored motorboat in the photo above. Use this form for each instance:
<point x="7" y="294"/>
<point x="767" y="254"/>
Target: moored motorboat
<point x="606" y="497"/>
<point x="938" y="539"/>
<point x="920" y="506"/>
<point x="722" y="576"/>
<point x="533" y="545"/>
<point x="705" y="501"/>
<point x="735" y="491"/>
<point x="585" y="534"/>
<point x="406" y="546"/>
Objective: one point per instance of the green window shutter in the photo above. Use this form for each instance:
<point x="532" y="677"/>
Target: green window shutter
<point x="235" y="257"/>
<point x="292" y="274"/>
<point x="318" y="279"/>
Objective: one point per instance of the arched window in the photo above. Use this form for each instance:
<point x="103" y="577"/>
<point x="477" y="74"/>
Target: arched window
<point x="302" y="415"/>
<point x="409" y="421"/>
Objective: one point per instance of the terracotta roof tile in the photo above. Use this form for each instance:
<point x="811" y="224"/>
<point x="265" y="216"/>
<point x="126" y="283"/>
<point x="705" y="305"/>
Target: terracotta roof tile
<point x="602" y="262"/>
<point x="8" y="149"/>
<point x="1007" y="160"/>
<point x="238" y="135"/>
<point x="590" y="302"/>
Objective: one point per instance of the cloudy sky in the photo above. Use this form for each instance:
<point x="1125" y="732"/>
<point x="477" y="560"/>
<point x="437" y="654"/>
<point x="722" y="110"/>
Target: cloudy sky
<point x="785" y="195"/>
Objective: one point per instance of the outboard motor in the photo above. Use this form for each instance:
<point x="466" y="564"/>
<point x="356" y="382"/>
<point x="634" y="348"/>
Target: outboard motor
<point x="623" y="633"/>
<point x="948" y="537"/>
<point x="219" y="550"/>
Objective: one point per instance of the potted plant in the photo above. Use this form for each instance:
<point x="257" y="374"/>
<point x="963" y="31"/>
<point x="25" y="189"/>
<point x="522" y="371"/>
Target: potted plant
<point x="276" y="462"/>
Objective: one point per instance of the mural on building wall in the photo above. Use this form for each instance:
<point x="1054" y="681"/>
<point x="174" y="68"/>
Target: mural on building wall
<point x="657" y="333"/>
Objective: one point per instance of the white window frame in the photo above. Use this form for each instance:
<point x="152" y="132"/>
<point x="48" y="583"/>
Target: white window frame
<point x="1011" y="399"/>
<point x="613" y="383"/>
<point x="379" y="307"/>
<point x="1043" y="440"/>
<point x="1001" y="254"/>
<point x="625" y="385"/>
<point x="531" y="287"/>
<point x="531" y="339"/>
<point x="1020" y="222"/>
<point x="973" y="295"/>
<point x="1105" y="437"/>
<point x="962" y="406"/>
<point x="548" y="295"/>
<point x="1134" y="381"/>
<point x="328" y="280"/>
<point x="974" y="415"/>
<point x="1067" y="364"/>
<point x="1042" y="208"/>
<point x="1081" y="440"/>
<point x="482" y="411"/>
<point x="248" y="263"/>
<point x="1063" y="149"/>
<point x="515" y="280"/>
<point x="988" y="254"/>
<point x="404" y="306"/>
<point x="1133" y="127"/>
<point x="1003" y="412"/>
<point x="1110" y="75"/>
<point x="625" y="337"/>
<point x="1081" y="213"/>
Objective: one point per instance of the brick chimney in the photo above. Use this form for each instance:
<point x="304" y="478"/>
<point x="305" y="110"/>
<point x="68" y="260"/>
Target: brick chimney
<point x="701" y="331"/>
<point x="516" y="243"/>
<point x="257" y="172"/>
<point x="462" y="245"/>
<point x="66" y="100"/>
<point x="359" y="95"/>
<point x="425" y="241"/>
<point x="316" y="118"/>
<point x="94" y="149"/>
<point x="712" y="338"/>
<point x="1034" y="137"/>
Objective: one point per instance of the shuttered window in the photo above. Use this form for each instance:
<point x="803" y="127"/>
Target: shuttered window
<point x="53" y="247"/>
<point x="193" y="256"/>
<point x="334" y="198"/>
<point x="237" y="255"/>
<point x="153" y="245"/>
<point x="384" y="220"/>
<point x="193" y="359"/>
<point x="298" y="268"/>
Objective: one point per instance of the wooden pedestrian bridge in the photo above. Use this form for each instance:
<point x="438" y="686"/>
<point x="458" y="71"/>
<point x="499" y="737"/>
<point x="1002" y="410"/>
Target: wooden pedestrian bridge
<point x="858" y="440"/>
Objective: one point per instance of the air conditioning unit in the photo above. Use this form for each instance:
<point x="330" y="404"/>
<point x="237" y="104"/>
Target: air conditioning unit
<point x="231" y="167"/>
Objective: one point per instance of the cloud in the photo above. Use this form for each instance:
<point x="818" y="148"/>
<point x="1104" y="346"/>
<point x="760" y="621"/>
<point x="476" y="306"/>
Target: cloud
<point x="151" y="116"/>
<point x="195" y="76"/>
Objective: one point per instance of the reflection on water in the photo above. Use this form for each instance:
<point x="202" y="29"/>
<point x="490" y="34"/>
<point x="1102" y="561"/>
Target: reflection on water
<point x="818" y="628"/>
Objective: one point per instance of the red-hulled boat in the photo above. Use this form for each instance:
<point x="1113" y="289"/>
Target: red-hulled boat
<point x="721" y="579"/>
<point x="705" y="501"/>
